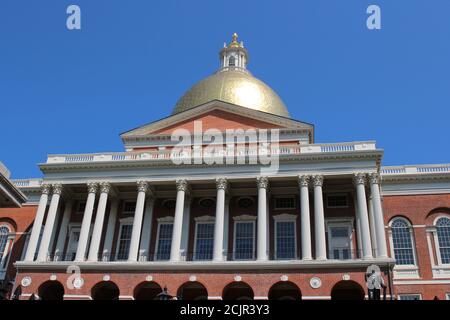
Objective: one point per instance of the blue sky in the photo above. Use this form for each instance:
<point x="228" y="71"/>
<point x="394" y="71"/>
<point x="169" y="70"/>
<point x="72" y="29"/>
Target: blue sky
<point x="67" y="91"/>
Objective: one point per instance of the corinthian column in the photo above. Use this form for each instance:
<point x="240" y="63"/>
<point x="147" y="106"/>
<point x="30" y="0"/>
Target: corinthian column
<point x="360" y="179"/>
<point x="105" y="187"/>
<point x="261" y="249"/>
<point x="378" y="215"/>
<point x="305" y="224"/>
<point x="182" y="187"/>
<point x="37" y="224"/>
<point x="221" y="185"/>
<point x="142" y="187"/>
<point x="86" y="223"/>
<point x="49" y="223"/>
<point x="319" y="219"/>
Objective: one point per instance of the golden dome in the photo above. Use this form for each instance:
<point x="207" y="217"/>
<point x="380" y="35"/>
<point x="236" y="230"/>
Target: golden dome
<point x="233" y="83"/>
<point x="236" y="87"/>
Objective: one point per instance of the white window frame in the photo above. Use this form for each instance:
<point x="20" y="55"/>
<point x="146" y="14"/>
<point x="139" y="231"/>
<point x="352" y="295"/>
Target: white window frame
<point x="123" y="222"/>
<point x="282" y="197"/>
<point x="161" y="221"/>
<point x="334" y="194"/>
<point x="409" y="294"/>
<point x="285" y="218"/>
<point x="7" y="251"/>
<point x="74" y="227"/>
<point x="201" y="220"/>
<point x="244" y="219"/>
<point x="436" y="242"/>
<point x="405" y="271"/>
<point x="340" y="222"/>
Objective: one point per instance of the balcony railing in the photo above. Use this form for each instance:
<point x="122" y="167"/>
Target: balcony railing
<point x="419" y="169"/>
<point x="167" y="154"/>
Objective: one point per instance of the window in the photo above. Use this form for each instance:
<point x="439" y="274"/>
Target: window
<point x="337" y="201"/>
<point x="81" y="205"/>
<point x="204" y="240"/>
<point x="402" y="242"/>
<point x="164" y="242"/>
<point x="340" y="239"/>
<point x="443" y="235"/>
<point x="284" y="203"/>
<point x="413" y="296"/>
<point x="129" y="207"/>
<point x="244" y="240"/>
<point x="447" y="296"/>
<point x="232" y="61"/>
<point x="124" y="241"/>
<point x="4" y="239"/>
<point x="285" y="240"/>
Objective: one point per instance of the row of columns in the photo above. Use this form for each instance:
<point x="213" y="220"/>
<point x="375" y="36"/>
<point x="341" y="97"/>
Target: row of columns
<point x="145" y="201"/>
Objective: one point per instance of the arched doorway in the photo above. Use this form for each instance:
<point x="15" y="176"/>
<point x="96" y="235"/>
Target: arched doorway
<point x="285" y="290"/>
<point x="105" y="290"/>
<point x="347" y="290"/>
<point x="51" y="290"/>
<point x="192" y="291"/>
<point x="148" y="290"/>
<point x="238" y="291"/>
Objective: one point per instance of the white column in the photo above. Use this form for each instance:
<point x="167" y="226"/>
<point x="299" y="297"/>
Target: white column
<point x="182" y="187"/>
<point x="221" y="185"/>
<point x="137" y="221"/>
<point x="59" y="250"/>
<point x="378" y="215"/>
<point x="360" y="179"/>
<point x="37" y="224"/>
<point x="110" y="229"/>
<point x="373" y="234"/>
<point x="144" y="247"/>
<point x="105" y="187"/>
<point x="261" y="249"/>
<point x="319" y="219"/>
<point x="49" y="223"/>
<point x="86" y="223"/>
<point x="226" y="226"/>
<point x="185" y="229"/>
<point x="305" y="223"/>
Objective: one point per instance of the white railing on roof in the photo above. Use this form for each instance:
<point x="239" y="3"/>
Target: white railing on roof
<point x="165" y="154"/>
<point x="27" y="183"/>
<point x="416" y="169"/>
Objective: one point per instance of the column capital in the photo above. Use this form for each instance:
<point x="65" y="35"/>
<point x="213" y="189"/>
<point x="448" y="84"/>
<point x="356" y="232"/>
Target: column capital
<point x="374" y="178"/>
<point x="182" y="185"/>
<point x="92" y="187"/>
<point x="57" y="188"/>
<point x="222" y="183"/>
<point x="262" y="182"/>
<point x="359" y="178"/>
<point x="45" y="188"/>
<point x="318" y="180"/>
<point x="142" y="186"/>
<point x="105" y="187"/>
<point x="303" y="181"/>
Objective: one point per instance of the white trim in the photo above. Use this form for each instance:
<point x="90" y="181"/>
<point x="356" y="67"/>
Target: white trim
<point x="165" y="219"/>
<point x="244" y="219"/>
<point x="410" y="282"/>
<point x="123" y="222"/>
<point x="316" y="297"/>
<point x="447" y="296"/>
<point x="436" y="242"/>
<point x="404" y="271"/>
<point x="76" y="296"/>
<point x="285" y="218"/>
<point x="9" y="244"/>
<point x="202" y="220"/>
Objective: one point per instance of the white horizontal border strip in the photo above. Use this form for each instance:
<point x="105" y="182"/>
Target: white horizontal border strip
<point x="409" y="282"/>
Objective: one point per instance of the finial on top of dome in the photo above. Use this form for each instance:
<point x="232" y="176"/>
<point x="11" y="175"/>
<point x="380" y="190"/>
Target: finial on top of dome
<point x="234" y="43"/>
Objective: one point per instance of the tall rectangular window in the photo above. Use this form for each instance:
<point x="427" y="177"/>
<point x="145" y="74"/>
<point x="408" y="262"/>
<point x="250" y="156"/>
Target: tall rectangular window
<point x="164" y="241"/>
<point x="285" y="240"/>
<point x="204" y="241"/>
<point x="124" y="242"/>
<point x="244" y="240"/>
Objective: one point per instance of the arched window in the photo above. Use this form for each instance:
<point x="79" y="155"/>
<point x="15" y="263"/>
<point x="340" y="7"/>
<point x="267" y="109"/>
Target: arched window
<point x="402" y="242"/>
<point x="4" y="233"/>
<point x="232" y="61"/>
<point x="443" y="235"/>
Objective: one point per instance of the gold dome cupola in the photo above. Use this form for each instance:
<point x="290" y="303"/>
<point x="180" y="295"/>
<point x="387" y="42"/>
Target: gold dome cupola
<point x="234" y="84"/>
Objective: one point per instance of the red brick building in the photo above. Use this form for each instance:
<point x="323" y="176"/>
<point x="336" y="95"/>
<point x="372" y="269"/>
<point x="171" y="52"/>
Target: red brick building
<point x="230" y="198"/>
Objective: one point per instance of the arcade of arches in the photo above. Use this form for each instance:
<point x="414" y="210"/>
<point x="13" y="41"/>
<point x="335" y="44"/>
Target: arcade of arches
<point x="193" y="290"/>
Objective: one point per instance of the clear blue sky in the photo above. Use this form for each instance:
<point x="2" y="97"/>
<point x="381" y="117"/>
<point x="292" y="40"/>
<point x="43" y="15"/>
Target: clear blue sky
<point x="67" y="91"/>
